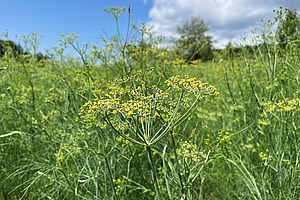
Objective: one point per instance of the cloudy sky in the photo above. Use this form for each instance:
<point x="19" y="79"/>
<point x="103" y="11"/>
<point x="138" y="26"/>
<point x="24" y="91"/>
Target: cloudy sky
<point x="228" y="19"/>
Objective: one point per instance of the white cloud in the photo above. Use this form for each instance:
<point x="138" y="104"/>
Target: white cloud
<point x="227" y="19"/>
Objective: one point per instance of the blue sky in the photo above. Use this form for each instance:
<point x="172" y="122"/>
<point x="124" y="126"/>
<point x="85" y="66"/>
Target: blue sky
<point x="53" y="17"/>
<point x="228" y="20"/>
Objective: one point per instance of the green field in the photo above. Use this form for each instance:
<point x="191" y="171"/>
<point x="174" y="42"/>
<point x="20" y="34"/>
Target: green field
<point x="138" y="122"/>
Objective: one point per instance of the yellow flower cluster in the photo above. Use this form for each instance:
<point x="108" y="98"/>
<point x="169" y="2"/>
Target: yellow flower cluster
<point x="224" y="138"/>
<point x="284" y="105"/>
<point x="140" y="101"/>
<point x="189" y="152"/>
<point x="190" y="84"/>
<point x="265" y="157"/>
<point x="177" y="61"/>
<point x="128" y="98"/>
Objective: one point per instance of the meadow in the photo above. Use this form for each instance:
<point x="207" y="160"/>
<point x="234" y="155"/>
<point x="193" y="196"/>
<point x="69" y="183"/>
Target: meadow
<point x="132" y="121"/>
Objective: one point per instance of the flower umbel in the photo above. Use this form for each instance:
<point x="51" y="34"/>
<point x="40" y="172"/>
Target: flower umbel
<point x="143" y="113"/>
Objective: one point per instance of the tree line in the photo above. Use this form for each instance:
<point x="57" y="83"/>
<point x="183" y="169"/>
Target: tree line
<point x="195" y="39"/>
<point x="13" y="49"/>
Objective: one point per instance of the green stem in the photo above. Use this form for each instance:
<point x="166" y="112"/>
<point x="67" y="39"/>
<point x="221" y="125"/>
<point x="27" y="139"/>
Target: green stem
<point x="176" y="158"/>
<point x="153" y="172"/>
<point x="165" y="172"/>
<point x="32" y="89"/>
<point x="111" y="179"/>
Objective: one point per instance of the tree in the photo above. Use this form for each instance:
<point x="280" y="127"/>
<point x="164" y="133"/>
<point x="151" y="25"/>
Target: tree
<point x="193" y="38"/>
<point x="6" y="46"/>
<point x="289" y="27"/>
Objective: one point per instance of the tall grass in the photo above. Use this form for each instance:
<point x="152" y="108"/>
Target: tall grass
<point x="242" y="144"/>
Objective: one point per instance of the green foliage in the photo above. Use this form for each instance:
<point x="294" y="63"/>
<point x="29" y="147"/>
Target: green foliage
<point x="134" y="121"/>
<point x="194" y="42"/>
<point x="289" y="26"/>
<point x="9" y="47"/>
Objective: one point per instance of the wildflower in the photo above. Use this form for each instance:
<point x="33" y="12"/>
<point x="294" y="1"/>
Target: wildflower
<point x="94" y="107"/>
<point x="284" y="105"/>
<point x="145" y="104"/>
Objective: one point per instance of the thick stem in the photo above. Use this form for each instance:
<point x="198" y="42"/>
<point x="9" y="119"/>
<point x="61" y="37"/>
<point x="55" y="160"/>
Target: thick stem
<point x="153" y="172"/>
